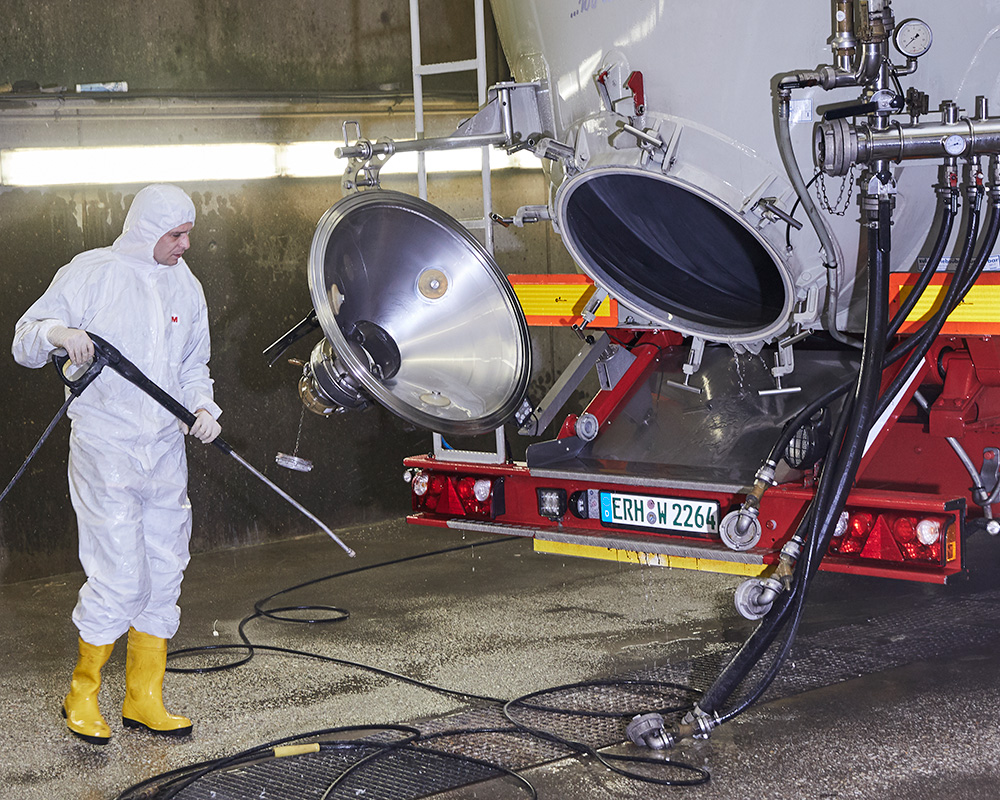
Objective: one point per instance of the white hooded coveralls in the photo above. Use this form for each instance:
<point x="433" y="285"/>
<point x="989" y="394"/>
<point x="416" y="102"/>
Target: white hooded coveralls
<point x="127" y="463"/>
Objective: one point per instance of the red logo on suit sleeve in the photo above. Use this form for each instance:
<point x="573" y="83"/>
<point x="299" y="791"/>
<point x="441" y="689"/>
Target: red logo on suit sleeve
<point x="173" y="318"/>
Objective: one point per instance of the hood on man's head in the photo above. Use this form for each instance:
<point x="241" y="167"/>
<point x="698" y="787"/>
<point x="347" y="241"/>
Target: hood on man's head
<point x="155" y="210"/>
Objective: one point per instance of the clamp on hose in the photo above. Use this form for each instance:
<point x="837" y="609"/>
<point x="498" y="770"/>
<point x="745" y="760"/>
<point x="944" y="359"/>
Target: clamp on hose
<point x="646" y="730"/>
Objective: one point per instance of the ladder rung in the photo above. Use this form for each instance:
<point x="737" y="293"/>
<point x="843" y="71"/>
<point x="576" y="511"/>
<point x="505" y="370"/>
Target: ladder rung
<point x="447" y="66"/>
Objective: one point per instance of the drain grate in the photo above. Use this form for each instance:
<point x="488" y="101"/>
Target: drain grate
<point x="385" y="775"/>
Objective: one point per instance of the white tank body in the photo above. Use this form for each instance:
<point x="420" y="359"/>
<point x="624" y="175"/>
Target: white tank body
<point x="683" y="240"/>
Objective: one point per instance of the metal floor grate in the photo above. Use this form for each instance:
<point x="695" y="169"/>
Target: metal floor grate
<point x="387" y="775"/>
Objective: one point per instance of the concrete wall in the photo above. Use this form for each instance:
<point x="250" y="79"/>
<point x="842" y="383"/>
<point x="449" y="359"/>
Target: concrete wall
<point x="249" y="247"/>
<point x="244" y="45"/>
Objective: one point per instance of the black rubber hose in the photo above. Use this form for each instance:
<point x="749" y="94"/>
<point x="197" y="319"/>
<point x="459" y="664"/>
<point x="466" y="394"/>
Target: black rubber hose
<point x="838" y="473"/>
<point x="793" y="601"/>
<point x="945" y="227"/>
<point x="988" y="243"/>
<point x="837" y="476"/>
<point x="985" y="250"/>
<point x="795" y="423"/>
<point x="963" y="279"/>
<point x="948" y="212"/>
<point x="821" y="527"/>
<point x="852" y="430"/>
<point x="920" y="342"/>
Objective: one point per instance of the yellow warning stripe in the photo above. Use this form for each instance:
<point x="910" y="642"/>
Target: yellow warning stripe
<point x="977" y="314"/>
<point x="560" y="302"/>
<point x="651" y="559"/>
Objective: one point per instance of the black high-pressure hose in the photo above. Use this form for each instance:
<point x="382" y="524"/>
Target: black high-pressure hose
<point x="836" y="479"/>
<point x="949" y="210"/>
<point x="792" y="601"/>
<point x="965" y="274"/>
<point x="963" y="278"/>
<point x="817" y="528"/>
<point x="989" y="242"/>
<point x="820" y="535"/>
<point x="948" y="213"/>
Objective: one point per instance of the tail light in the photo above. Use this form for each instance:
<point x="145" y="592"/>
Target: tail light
<point x="420" y="483"/>
<point x="457" y="495"/>
<point x="856" y="528"/>
<point x="893" y="536"/>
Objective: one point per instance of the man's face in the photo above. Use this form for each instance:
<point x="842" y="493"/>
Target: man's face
<point x="172" y="245"/>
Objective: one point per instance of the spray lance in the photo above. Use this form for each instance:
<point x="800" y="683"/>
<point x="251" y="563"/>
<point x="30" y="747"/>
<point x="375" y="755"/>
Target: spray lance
<point x="106" y="355"/>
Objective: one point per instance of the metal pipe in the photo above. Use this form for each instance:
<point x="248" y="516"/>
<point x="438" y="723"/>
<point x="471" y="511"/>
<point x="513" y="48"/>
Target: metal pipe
<point x="869" y="63"/>
<point x="830" y="249"/>
<point x="418" y="95"/>
<point x="291" y="500"/>
<point x="865" y="67"/>
<point x="365" y="149"/>
<point x="844" y="42"/>
<point x="839" y="144"/>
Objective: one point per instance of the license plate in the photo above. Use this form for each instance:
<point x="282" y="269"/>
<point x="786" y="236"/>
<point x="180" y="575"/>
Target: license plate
<point x="659" y="513"/>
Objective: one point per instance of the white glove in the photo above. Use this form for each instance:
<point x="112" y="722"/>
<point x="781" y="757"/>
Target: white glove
<point x="76" y="343"/>
<point x="205" y="426"/>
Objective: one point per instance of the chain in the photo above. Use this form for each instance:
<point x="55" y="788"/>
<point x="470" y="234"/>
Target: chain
<point x="847" y="185"/>
<point x="298" y="436"/>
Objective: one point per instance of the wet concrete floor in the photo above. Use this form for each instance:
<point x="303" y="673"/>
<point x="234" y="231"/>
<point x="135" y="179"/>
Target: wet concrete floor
<point x="891" y="692"/>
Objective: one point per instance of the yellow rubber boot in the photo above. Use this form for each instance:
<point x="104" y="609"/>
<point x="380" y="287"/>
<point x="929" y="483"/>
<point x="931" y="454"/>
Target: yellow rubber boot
<point x="80" y="708"/>
<point x="145" y="665"/>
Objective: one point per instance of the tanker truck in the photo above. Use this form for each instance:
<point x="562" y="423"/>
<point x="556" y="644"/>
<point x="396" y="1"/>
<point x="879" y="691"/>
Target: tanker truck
<point x="784" y="218"/>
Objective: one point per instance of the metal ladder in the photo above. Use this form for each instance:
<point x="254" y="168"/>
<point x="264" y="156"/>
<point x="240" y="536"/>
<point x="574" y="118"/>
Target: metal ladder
<point x="477" y="64"/>
<point x="485" y="224"/>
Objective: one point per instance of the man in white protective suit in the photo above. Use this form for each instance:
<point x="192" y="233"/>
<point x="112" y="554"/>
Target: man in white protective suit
<point x="127" y="461"/>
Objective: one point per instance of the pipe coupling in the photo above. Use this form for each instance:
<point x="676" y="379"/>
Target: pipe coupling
<point x="740" y="529"/>
<point x="755" y="596"/>
<point x="646" y="730"/>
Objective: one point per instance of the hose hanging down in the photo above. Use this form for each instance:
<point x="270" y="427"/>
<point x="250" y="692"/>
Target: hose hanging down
<point x="839" y="473"/>
<point x="835" y="481"/>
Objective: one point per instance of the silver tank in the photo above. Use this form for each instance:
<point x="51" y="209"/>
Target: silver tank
<point x="686" y="240"/>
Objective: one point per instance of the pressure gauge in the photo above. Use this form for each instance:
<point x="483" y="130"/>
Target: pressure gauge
<point x="954" y="145"/>
<point x="913" y="37"/>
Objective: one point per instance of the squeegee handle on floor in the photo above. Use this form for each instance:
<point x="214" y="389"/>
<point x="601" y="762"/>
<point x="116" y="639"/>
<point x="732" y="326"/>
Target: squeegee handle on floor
<point x="106" y="354"/>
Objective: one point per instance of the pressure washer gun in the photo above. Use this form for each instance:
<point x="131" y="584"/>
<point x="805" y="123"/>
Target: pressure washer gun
<point x="106" y="355"/>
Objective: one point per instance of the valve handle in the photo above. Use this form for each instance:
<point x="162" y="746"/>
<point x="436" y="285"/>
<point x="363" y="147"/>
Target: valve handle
<point x="850" y="111"/>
